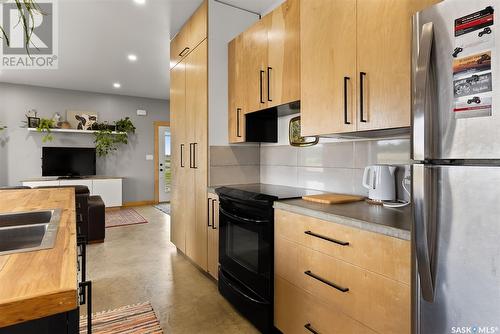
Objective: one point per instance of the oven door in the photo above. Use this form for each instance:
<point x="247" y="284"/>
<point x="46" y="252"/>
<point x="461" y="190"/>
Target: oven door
<point x="245" y="245"/>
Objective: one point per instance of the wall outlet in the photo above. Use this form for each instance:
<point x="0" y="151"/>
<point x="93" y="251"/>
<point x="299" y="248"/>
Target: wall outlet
<point x="150" y="157"/>
<point x="141" y="112"/>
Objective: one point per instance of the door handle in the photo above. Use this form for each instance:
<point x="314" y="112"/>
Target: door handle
<point x="325" y="281"/>
<point x="190" y="155"/>
<point x="361" y="97"/>
<point x="310" y="328"/>
<point x="208" y="212"/>
<point x="181" y="54"/>
<point x="213" y="214"/>
<point x="269" y="69"/>
<point x="422" y="115"/>
<point x="194" y="156"/>
<point x="261" y="82"/>
<point x="238" y="115"/>
<point x="335" y="241"/>
<point x="346" y="81"/>
<point x="182" y="155"/>
<point x="424" y="227"/>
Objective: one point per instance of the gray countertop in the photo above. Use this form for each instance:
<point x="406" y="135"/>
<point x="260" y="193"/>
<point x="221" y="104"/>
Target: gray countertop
<point x="394" y="222"/>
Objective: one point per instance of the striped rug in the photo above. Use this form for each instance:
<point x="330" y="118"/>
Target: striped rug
<point x="123" y="217"/>
<point x="136" y="319"/>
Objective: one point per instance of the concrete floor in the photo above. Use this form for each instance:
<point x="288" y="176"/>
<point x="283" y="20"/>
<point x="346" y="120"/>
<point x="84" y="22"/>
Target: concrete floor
<point x="138" y="263"/>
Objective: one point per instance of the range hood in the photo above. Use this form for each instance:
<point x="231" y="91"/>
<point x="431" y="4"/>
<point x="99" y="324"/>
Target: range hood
<point x="262" y="126"/>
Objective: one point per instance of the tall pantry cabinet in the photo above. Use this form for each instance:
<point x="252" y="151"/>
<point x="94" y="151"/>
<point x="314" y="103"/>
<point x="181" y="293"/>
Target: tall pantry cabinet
<point x="189" y="130"/>
<point x="195" y="63"/>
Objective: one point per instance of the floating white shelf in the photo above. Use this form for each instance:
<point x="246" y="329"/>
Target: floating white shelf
<point x="73" y="131"/>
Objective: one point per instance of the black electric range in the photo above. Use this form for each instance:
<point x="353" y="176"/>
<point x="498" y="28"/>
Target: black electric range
<point x="246" y="248"/>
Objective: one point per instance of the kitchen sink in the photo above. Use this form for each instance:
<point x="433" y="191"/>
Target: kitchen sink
<point x="28" y="231"/>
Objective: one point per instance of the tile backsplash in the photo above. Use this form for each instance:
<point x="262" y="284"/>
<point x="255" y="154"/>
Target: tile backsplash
<point x="234" y="165"/>
<point x="331" y="166"/>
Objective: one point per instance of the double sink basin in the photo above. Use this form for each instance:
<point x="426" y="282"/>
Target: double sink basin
<point x="28" y="231"/>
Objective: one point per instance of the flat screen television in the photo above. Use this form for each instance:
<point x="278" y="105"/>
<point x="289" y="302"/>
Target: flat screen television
<point x="68" y="161"/>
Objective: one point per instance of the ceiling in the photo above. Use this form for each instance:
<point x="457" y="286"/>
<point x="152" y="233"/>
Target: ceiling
<point x="95" y="37"/>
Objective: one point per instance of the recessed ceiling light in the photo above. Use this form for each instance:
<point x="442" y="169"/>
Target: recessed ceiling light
<point x="132" y="57"/>
<point x="117" y="85"/>
<point x="140" y="2"/>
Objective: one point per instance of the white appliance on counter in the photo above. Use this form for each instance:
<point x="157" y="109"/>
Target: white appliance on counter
<point x="456" y="174"/>
<point x="380" y="180"/>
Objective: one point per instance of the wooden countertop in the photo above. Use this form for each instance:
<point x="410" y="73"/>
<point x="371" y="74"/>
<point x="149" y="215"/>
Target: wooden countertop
<point x="40" y="283"/>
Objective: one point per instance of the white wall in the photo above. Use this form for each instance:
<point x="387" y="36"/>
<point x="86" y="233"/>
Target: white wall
<point x="225" y="23"/>
<point x="20" y="150"/>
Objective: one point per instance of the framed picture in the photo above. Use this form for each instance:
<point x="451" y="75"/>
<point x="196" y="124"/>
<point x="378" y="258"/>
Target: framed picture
<point x="33" y="122"/>
<point x="81" y="120"/>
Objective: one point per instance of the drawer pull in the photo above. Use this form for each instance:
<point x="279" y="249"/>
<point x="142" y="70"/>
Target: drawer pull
<point x="327" y="282"/>
<point x="310" y="328"/>
<point x="338" y="242"/>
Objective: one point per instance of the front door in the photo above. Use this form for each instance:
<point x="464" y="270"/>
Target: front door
<point x="165" y="174"/>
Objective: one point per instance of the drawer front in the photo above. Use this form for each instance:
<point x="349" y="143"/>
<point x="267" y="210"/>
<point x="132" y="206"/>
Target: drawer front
<point x="294" y="309"/>
<point x="372" y="299"/>
<point x="376" y="252"/>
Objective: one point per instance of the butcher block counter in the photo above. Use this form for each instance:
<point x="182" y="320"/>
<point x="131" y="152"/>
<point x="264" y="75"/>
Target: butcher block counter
<point x="41" y="283"/>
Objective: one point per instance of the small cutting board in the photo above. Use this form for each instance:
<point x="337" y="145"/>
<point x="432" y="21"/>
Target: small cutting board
<point x="333" y="198"/>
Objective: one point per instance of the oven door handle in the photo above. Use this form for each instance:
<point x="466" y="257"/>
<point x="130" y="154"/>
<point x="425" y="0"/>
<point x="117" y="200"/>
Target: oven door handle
<point x="242" y="219"/>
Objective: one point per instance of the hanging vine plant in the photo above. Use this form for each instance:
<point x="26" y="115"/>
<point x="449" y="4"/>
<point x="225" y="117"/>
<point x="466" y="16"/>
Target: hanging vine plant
<point x="107" y="141"/>
<point x="27" y="9"/>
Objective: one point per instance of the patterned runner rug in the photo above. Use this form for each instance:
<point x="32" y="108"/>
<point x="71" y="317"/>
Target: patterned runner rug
<point x="123" y="217"/>
<point x="136" y="319"/>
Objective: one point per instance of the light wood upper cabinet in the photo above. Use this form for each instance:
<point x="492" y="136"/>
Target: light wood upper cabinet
<point x="191" y="34"/>
<point x="255" y="65"/>
<point x="384" y="65"/>
<point x="328" y="69"/>
<point x="283" y="69"/>
<point x="237" y="96"/>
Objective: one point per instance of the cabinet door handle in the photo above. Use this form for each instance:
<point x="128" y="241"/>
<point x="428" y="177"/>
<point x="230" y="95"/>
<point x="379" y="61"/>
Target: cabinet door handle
<point x="238" y="115"/>
<point x="361" y="97"/>
<point x="338" y="242"/>
<point x="191" y="155"/>
<point x="325" y="281"/>
<point x="269" y="69"/>
<point x="310" y="328"/>
<point x="208" y="212"/>
<point x="261" y="82"/>
<point x="346" y="82"/>
<point x="194" y="156"/>
<point x="182" y="155"/>
<point x="183" y="50"/>
<point x="213" y="214"/>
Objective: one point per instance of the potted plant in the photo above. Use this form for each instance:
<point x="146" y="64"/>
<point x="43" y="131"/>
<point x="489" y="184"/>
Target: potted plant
<point x="45" y="125"/>
<point x="107" y="141"/>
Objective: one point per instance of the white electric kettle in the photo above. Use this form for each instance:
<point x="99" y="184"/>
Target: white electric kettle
<point x="380" y="182"/>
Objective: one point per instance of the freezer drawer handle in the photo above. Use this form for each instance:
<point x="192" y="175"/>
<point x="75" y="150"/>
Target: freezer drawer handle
<point x="327" y="282"/>
<point x="424" y="88"/>
<point x="310" y="328"/>
<point x="338" y="242"/>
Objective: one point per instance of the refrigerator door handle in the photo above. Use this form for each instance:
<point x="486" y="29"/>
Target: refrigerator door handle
<point x="421" y="104"/>
<point x="425" y="222"/>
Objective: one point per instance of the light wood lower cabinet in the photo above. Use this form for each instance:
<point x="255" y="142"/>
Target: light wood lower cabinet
<point x="323" y="271"/>
<point x="376" y="252"/>
<point x="296" y="310"/>
<point x="213" y="235"/>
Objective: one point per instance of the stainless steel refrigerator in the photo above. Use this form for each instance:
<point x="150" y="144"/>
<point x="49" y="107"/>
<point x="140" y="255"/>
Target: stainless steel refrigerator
<point x="456" y="170"/>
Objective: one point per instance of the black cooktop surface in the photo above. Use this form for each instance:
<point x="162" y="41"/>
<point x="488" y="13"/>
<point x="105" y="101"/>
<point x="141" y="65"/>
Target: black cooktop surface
<point x="271" y="191"/>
